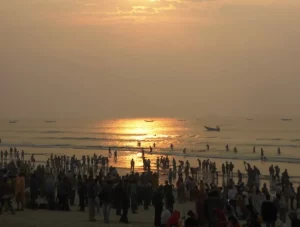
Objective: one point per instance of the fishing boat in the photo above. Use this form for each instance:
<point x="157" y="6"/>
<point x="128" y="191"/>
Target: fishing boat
<point x="286" y="119"/>
<point x="181" y="120"/>
<point x="50" y="121"/>
<point x="216" y="129"/>
<point x="12" y="122"/>
<point x="249" y="119"/>
<point x="149" y="121"/>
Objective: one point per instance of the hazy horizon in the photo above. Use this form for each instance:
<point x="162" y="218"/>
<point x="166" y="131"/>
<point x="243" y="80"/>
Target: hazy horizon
<point x="149" y="58"/>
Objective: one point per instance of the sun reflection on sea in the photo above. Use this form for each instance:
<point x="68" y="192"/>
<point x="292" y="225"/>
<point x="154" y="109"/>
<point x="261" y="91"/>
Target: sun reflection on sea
<point x="146" y="131"/>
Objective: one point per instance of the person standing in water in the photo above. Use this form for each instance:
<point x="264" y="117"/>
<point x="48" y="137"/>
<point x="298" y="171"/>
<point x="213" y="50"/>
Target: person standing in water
<point x="150" y="149"/>
<point x="227" y="148"/>
<point x="154" y="144"/>
<point x="235" y="150"/>
<point x="254" y="150"/>
<point x="143" y="153"/>
<point x="207" y="147"/>
<point x="109" y="152"/>
<point x="262" y="155"/>
<point x="278" y="151"/>
<point x="116" y="155"/>
<point x="171" y="146"/>
<point x="132" y="165"/>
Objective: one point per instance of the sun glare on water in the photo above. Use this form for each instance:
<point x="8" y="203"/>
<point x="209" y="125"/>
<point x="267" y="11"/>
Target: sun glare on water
<point x="128" y="132"/>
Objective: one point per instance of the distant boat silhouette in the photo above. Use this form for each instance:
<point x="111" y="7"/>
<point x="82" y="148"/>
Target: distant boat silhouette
<point x="286" y="119"/>
<point x="13" y="122"/>
<point x="249" y="119"/>
<point x="149" y="121"/>
<point x="216" y="129"/>
<point x="181" y="120"/>
<point x="50" y="121"/>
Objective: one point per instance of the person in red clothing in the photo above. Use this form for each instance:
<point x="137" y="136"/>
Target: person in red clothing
<point x="174" y="219"/>
<point x="221" y="218"/>
<point x="233" y="222"/>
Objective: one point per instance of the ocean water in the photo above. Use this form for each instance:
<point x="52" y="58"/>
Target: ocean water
<point x="86" y="136"/>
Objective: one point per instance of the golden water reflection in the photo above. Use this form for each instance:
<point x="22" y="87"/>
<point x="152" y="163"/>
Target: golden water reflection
<point x="161" y="130"/>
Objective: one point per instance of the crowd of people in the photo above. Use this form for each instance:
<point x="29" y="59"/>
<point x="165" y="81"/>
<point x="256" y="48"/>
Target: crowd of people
<point x="94" y="186"/>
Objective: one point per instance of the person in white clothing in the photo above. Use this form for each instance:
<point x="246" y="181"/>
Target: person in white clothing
<point x="165" y="215"/>
<point x="232" y="192"/>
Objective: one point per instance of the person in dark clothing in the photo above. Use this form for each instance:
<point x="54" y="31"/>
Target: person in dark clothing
<point x="92" y="194"/>
<point x="148" y="195"/>
<point x="125" y="203"/>
<point x="191" y="220"/>
<point x="106" y="198"/>
<point x="118" y="198"/>
<point x="33" y="191"/>
<point x="253" y="218"/>
<point x="6" y="194"/>
<point x="269" y="212"/>
<point x="157" y="202"/>
<point x="168" y="195"/>
<point x="66" y="206"/>
<point x="81" y="193"/>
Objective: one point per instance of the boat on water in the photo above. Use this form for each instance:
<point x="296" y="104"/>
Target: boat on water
<point x="249" y="119"/>
<point x="149" y="121"/>
<point x="286" y="119"/>
<point x="12" y="122"/>
<point x="216" y="129"/>
<point x="181" y="120"/>
<point x="50" y="121"/>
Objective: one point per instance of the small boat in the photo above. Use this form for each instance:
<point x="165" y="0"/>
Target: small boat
<point x="50" y="121"/>
<point x="286" y="119"/>
<point x="181" y="120"/>
<point x="149" y="121"/>
<point x="216" y="129"/>
<point x="249" y="119"/>
<point x="12" y="122"/>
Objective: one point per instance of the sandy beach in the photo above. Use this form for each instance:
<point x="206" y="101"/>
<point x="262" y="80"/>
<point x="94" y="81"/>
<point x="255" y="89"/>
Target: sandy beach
<point x="45" y="218"/>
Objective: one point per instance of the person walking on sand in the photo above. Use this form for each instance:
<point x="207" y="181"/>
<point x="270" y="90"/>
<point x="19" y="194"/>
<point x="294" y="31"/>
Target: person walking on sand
<point x="7" y="195"/>
<point x="106" y="198"/>
<point x="125" y="203"/>
<point x="92" y="193"/>
<point x="20" y="191"/>
<point x="81" y="190"/>
<point x="22" y="155"/>
<point x="5" y="155"/>
<point x="157" y="202"/>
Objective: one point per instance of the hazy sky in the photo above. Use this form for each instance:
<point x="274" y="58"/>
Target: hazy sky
<point x="120" y="58"/>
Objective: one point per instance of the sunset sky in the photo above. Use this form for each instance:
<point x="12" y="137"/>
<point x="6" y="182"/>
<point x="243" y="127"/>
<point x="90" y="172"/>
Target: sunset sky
<point x="135" y="58"/>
